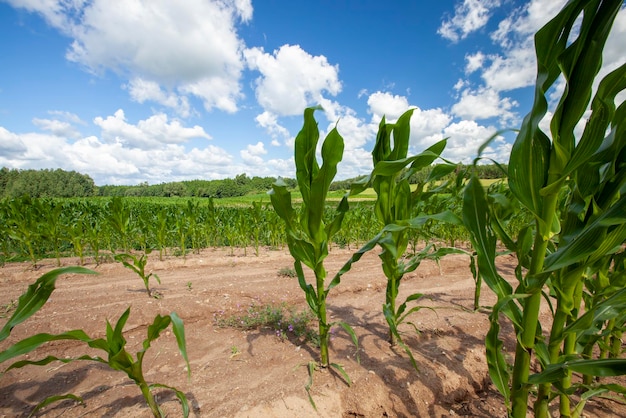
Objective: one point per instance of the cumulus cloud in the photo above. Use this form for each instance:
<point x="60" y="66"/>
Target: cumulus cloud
<point x="484" y="103"/>
<point x="386" y="104"/>
<point x="114" y="162"/>
<point x="291" y="79"/>
<point x="469" y="16"/>
<point x="513" y="67"/>
<point x="147" y="134"/>
<point x="474" y="62"/>
<point x="466" y="136"/>
<point x="269" y="122"/>
<point x="57" y="127"/>
<point x="252" y="155"/>
<point x="141" y="90"/>
<point x="192" y="46"/>
<point x="11" y="144"/>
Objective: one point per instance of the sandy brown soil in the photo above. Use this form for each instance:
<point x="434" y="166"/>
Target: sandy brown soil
<point x="267" y="377"/>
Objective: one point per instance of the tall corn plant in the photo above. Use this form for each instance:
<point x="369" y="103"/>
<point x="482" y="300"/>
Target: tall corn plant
<point x="393" y="208"/>
<point x="576" y="190"/>
<point x="308" y="237"/>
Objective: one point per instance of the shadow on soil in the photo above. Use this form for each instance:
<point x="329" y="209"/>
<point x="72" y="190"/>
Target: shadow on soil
<point x="66" y="382"/>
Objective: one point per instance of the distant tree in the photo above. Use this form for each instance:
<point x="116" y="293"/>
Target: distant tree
<point x="174" y="189"/>
<point x="45" y="183"/>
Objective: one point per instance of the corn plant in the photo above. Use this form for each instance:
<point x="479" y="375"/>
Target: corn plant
<point x="308" y="236"/>
<point x="114" y="345"/>
<point x="77" y="231"/>
<point x="23" y="225"/>
<point x="393" y="208"/>
<point x="118" y="217"/>
<point x="50" y="224"/>
<point x="162" y="231"/>
<point x="138" y="265"/>
<point x="575" y="189"/>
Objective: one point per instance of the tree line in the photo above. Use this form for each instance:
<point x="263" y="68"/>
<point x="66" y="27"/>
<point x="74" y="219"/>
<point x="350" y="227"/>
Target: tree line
<point x="61" y="183"/>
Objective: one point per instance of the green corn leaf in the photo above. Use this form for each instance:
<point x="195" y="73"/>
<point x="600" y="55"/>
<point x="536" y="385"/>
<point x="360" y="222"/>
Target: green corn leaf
<point x="341" y="371"/>
<point x="360" y="185"/>
<point x="50" y="359"/>
<point x="592" y="238"/>
<point x="475" y="218"/>
<point x="439" y="171"/>
<point x="304" y="153"/>
<point x="335" y="225"/>
<point x="602" y="112"/>
<point x="391" y="319"/>
<point x="184" y="403"/>
<point x="529" y="159"/>
<point x="52" y="399"/>
<point x="402" y="318"/>
<point x="281" y="201"/>
<point x="159" y="324"/>
<point x="593" y="367"/>
<point x="332" y="153"/>
<point x="401" y="309"/>
<point x="179" y="333"/>
<point x="36" y="296"/>
<point x="353" y="336"/>
<point x="401" y="133"/>
<point x="610" y="308"/>
<point x="496" y="363"/>
<point x="312" y="367"/>
<point x="370" y="245"/>
<point x="309" y="290"/>
<point x="115" y="337"/>
<point x="31" y="343"/>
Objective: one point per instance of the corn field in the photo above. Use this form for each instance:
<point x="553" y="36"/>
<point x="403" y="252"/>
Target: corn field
<point x="34" y="229"/>
<point x="561" y="213"/>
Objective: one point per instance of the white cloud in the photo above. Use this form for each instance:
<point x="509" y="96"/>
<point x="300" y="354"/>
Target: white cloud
<point x="469" y="16"/>
<point x="144" y="90"/>
<point x="464" y="139"/>
<point x="192" y="46"/>
<point x="614" y="50"/>
<point x="113" y="162"/>
<point x="485" y="104"/>
<point x="252" y="154"/>
<point x="10" y="144"/>
<point x="149" y="133"/>
<point x="516" y="70"/>
<point x="386" y="104"/>
<point x="427" y="124"/>
<point x="57" y="127"/>
<point x="67" y="116"/>
<point x="269" y="122"/>
<point x="474" y="62"/>
<point x="291" y="79"/>
<point x="355" y="131"/>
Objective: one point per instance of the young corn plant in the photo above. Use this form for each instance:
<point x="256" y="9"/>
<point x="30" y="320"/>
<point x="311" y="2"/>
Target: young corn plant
<point x="575" y="188"/>
<point x="138" y="265"/>
<point x="114" y="345"/>
<point x="119" y="217"/>
<point x="393" y="208"/>
<point x="308" y="236"/>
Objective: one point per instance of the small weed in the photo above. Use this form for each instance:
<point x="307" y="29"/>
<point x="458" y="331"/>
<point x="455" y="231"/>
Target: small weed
<point x="189" y="284"/>
<point x="284" y="321"/>
<point x="287" y="272"/>
<point x="8" y="308"/>
<point x="234" y="351"/>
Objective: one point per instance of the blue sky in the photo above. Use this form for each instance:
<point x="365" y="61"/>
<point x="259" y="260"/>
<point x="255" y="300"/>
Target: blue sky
<point x="160" y="91"/>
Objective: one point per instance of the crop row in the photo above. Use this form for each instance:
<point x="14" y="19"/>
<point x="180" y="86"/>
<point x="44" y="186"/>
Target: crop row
<point x="34" y="229"/>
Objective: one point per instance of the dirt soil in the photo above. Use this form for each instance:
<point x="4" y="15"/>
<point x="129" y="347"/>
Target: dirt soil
<point x="236" y="373"/>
